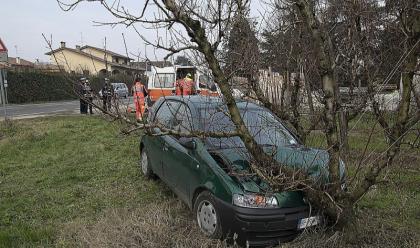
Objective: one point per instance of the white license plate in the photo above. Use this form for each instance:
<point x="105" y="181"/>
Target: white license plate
<point x="308" y="222"/>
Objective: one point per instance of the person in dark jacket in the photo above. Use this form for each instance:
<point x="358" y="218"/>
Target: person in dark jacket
<point x="88" y="94"/>
<point x="107" y="93"/>
<point x="83" y="103"/>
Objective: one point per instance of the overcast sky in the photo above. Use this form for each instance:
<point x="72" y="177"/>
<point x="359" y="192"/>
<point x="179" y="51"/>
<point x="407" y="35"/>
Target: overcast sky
<point x="22" y="23"/>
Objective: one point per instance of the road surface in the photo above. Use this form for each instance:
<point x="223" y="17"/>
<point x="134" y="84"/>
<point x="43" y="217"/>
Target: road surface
<point x="23" y="111"/>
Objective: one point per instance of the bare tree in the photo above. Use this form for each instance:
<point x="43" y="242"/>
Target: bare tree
<point x="200" y="27"/>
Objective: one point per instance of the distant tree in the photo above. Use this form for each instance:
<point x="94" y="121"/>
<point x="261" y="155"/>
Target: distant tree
<point x="182" y="60"/>
<point x="242" y="51"/>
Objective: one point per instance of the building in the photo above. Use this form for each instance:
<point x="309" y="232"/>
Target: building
<point x="17" y="64"/>
<point x="92" y="60"/>
<point x="46" y="66"/>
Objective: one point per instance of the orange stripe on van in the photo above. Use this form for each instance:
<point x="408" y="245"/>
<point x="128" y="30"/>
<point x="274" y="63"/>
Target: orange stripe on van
<point x="155" y="94"/>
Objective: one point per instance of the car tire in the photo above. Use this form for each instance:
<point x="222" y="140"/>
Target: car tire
<point x="207" y="215"/>
<point x="144" y="164"/>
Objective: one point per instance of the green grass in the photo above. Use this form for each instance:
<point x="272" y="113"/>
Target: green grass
<point x="54" y="170"/>
<point x="74" y="181"/>
<point x="394" y="203"/>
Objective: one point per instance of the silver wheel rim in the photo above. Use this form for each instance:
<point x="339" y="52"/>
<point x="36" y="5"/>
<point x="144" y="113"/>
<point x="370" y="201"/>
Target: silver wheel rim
<point x="207" y="217"/>
<point x="144" y="163"/>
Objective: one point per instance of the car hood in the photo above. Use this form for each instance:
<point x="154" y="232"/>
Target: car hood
<point x="313" y="161"/>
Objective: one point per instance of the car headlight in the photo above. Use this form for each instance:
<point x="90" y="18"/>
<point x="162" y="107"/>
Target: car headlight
<point x="255" y="201"/>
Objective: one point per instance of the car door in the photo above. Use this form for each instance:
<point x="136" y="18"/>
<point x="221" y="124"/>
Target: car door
<point x="179" y="162"/>
<point x="157" y="143"/>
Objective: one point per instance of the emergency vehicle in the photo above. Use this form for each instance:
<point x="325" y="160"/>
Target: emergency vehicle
<point x="161" y="81"/>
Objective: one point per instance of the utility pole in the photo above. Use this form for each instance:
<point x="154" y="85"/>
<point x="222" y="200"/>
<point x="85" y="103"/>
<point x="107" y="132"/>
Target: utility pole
<point x="3" y="81"/>
<point x="3" y="86"/>
<point x="106" y="58"/>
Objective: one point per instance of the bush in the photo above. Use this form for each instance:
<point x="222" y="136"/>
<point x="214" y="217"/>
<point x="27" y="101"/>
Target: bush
<point x="38" y="86"/>
<point x="34" y="86"/>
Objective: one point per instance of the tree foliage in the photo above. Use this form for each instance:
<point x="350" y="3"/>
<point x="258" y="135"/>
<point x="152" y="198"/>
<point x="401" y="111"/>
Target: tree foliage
<point x="242" y="55"/>
<point x="183" y="60"/>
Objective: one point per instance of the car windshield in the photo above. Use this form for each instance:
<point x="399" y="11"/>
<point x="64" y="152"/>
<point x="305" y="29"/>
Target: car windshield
<point x="266" y="129"/>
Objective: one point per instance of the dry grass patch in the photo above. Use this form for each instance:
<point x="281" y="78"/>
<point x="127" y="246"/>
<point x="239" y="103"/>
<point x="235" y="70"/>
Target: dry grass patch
<point x="165" y="224"/>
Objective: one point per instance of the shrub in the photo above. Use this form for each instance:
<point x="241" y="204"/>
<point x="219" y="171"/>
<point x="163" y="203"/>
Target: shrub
<point x="35" y="86"/>
<point x="38" y="86"/>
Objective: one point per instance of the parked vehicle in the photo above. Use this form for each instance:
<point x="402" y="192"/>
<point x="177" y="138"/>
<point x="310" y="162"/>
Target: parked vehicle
<point x="161" y="81"/>
<point x="119" y="89"/>
<point x="211" y="175"/>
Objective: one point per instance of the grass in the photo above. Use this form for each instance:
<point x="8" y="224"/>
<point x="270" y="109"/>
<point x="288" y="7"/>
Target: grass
<point x="55" y="170"/>
<point x="74" y="181"/>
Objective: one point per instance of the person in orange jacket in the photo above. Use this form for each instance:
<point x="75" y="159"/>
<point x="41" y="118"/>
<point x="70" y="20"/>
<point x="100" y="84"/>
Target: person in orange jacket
<point x="139" y="94"/>
<point x="185" y="86"/>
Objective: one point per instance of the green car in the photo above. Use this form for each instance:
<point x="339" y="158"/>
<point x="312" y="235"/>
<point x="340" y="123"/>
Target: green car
<point x="211" y="175"/>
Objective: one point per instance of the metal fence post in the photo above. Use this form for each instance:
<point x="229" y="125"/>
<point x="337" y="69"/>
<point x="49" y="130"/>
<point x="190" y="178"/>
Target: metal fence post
<point x="3" y="93"/>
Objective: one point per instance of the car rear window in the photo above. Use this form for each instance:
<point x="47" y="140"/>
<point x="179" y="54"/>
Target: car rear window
<point x="166" y="113"/>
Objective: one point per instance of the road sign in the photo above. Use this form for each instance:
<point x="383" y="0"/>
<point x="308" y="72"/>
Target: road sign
<point x="3" y="52"/>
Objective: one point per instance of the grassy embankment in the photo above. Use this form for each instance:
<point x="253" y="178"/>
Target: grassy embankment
<point x="74" y="181"/>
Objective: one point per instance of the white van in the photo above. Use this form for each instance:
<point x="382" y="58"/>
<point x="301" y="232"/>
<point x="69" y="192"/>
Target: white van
<point x="161" y="81"/>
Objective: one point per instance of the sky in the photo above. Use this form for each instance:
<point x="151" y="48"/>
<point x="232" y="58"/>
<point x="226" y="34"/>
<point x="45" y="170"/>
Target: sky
<point x="22" y="23"/>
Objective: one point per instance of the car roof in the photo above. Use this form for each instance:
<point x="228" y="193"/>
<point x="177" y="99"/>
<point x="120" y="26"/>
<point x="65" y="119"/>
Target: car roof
<point x="200" y="102"/>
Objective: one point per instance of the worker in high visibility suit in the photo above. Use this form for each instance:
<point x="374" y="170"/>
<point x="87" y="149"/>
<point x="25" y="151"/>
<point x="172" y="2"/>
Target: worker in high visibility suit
<point x="139" y="94"/>
<point x="185" y="86"/>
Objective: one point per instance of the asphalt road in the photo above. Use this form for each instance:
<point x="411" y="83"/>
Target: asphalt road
<point x="22" y="111"/>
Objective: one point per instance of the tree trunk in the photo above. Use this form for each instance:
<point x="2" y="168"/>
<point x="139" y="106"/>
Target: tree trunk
<point x="343" y="123"/>
<point x="329" y="85"/>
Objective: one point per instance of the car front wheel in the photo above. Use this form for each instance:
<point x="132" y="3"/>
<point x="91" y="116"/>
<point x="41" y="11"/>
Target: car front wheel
<point x="207" y="215"/>
<point x="145" y="164"/>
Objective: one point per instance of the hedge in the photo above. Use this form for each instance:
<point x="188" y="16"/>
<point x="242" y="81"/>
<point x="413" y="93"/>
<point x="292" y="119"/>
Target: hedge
<point x="38" y="86"/>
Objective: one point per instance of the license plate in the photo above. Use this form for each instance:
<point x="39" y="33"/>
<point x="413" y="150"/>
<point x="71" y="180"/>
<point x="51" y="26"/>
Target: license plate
<point x="308" y="222"/>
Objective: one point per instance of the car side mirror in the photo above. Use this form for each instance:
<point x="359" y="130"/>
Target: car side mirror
<point x="188" y="143"/>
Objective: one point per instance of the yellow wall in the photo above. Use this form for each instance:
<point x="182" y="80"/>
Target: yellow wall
<point x="71" y="61"/>
<point x="97" y="53"/>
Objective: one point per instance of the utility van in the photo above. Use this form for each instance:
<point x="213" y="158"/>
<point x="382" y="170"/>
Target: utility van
<point x="161" y="81"/>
